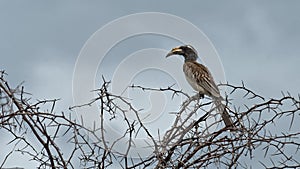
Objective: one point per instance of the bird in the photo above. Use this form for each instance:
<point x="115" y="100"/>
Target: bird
<point x="201" y="80"/>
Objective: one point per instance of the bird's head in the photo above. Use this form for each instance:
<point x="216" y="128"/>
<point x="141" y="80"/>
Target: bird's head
<point x="187" y="51"/>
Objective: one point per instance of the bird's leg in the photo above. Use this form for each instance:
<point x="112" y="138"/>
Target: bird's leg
<point x="200" y="95"/>
<point x="197" y="96"/>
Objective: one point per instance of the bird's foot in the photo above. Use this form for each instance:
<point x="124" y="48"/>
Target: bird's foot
<point x="200" y="96"/>
<point x="197" y="96"/>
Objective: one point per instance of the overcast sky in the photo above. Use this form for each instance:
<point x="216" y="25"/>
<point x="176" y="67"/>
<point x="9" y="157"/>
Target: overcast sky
<point x="257" y="41"/>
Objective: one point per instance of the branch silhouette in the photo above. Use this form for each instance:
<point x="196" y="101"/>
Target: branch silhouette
<point x="265" y="131"/>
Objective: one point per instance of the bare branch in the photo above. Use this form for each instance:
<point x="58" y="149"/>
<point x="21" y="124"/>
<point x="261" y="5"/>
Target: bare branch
<point x="265" y="132"/>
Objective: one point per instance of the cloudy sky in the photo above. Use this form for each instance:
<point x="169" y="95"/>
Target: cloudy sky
<point x="257" y="42"/>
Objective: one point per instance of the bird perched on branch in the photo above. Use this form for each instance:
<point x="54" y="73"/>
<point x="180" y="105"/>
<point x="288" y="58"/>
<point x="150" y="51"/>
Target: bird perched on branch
<point x="201" y="80"/>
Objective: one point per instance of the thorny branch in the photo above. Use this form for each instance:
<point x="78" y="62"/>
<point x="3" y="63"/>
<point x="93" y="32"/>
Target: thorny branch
<point x="266" y="135"/>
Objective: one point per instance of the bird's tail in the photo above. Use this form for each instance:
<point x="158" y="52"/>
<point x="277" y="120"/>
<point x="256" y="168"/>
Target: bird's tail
<point x="225" y="115"/>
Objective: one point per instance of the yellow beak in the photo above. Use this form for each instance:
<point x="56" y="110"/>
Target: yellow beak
<point x="174" y="51"/>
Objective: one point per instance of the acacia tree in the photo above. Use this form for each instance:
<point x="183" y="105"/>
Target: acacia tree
<point x="188" y="143"/>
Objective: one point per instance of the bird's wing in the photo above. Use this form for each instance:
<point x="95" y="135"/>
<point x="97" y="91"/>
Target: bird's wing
<point x="202" y="77"/>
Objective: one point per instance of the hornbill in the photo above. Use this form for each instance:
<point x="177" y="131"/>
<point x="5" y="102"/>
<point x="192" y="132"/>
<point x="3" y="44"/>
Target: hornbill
<point x="201" y="80"/>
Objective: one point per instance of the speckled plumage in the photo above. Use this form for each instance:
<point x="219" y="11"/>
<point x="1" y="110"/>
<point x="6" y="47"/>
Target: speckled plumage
<point x="200" y="78"/>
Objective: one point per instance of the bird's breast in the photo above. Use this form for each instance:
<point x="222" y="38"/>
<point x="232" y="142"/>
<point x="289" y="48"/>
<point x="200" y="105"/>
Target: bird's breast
<point x="191" y="77"/>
